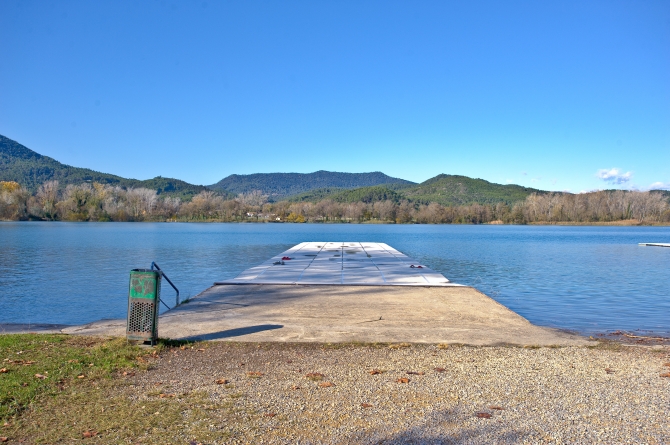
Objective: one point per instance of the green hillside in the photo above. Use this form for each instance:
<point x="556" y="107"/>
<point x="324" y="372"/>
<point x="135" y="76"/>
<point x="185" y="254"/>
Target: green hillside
<point x="315" y="195"/>
<point x="364" y="194"/>
<point x="448" y="190"/>
<point x="30" y="169"/>
<point x="279" y="186"/>
<point x="453" y="190"/>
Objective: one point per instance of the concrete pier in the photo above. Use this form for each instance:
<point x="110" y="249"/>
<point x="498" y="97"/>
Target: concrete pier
<point x="369" y="293"/>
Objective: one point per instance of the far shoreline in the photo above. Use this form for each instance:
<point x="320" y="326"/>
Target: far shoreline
<point x="622" y="223"/>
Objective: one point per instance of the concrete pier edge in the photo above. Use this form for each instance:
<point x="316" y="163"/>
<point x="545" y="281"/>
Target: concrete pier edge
<point x="341" y="314"/>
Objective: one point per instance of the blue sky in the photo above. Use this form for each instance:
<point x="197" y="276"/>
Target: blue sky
<point x="554" y="95"/>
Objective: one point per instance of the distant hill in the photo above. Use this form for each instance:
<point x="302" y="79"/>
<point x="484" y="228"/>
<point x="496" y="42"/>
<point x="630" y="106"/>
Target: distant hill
<point x="364" y="194"/>
<point x="453" y="190"/>
<point x="282" y="185"/>
<point x="448" y="190"/>
<point x="30" y="169"/>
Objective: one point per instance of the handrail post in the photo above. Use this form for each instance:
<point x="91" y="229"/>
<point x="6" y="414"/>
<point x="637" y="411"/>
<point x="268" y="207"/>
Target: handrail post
<point x="153" y="264"/>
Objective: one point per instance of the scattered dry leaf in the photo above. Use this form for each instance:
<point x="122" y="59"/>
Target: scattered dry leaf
<point x="375" y="372"/>
<point x="201" y="350"/>
<point x="254" y="374"/>
<point x="667" y="364"/>
<point x="81" y="376"/>
<point x="366" y="405"/>
<point x="403" y="380"/>
<point x="73" y="361"/>
<point x="40" y="376"/>
<point x="166" y="396"/>
<point x="496" y="407"/>
<point x="20" y="362"/>
<point x="667" y="374"/>
<point x="129" y="374"/>
<point x="326" y="384"/>
<point x="415" y="373"/>
<point x="483" y="415"/>
<point x="440" y="369"/>
<point x="221" y="381"/>
<point x="88" y="434"/>
<point x="4" y="439"/>
<point x="315" y="376"/>
<point x="295" y="387"/>
<point x="270" y="414"/>
<point x="4" y="370"/>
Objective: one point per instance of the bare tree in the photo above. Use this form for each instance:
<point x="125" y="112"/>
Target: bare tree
<point x="47" y="197"/>
<point x="255" y="198"/>
<point x="384" y="210"/>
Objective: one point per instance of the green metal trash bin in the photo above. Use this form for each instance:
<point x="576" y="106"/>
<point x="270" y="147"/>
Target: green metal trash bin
<point x="143" y="299"/>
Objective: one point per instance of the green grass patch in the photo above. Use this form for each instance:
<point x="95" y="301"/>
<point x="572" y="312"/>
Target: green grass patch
<point x="65" y="389"/>
<point x="606" y="344"/>
<point x="38" y="365"/>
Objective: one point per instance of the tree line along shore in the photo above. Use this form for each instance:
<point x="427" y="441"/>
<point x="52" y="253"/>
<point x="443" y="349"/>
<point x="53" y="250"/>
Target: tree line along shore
<point x="101" y="202"/>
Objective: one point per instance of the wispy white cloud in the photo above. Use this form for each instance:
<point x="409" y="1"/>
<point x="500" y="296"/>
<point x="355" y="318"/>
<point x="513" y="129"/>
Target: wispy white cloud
<point x="614" y="176"/>
<point x="660" y="186"/>
<point x="509" y="181"/>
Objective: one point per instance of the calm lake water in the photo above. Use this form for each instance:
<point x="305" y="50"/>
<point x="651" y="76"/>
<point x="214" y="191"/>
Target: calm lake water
<point x="589" y="279"/>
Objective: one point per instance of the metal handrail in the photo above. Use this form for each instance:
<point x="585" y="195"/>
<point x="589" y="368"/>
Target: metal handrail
<point x="153" y="264"/>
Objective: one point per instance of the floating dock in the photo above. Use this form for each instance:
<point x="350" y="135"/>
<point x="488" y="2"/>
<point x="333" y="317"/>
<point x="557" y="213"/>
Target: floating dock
<point x="337" y="263"/>
<point x="655" y="244"/>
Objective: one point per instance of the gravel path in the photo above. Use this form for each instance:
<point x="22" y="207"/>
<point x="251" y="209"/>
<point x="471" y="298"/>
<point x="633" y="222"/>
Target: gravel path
<point x="424" y="394"/>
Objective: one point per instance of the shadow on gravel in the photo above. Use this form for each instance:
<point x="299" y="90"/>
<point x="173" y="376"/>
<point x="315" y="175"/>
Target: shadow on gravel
<point x="234" y="332"/>
<point x="415" y="437"/>
<point x="446" y="427"/>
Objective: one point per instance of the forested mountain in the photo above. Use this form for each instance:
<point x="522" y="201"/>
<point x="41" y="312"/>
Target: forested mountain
<point x="282" y="185"/>
<point x="448" y="190"/>
<point x="30" y="169"/>
<point x="452" y="190"/>
<point x="367" y="195"/>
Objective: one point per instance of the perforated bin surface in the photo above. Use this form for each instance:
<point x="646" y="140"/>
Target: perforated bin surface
<point x="143" y="298"/>
<point x="141" y="317"/>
